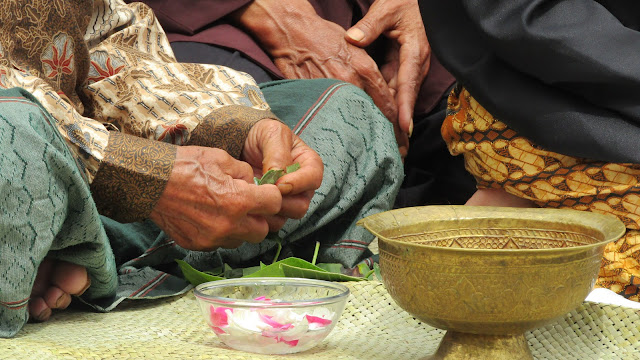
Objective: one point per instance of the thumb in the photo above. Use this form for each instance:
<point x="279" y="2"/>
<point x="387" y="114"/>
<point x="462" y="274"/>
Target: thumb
<point x="276" y="147"/>
<point x="366" y="31"/>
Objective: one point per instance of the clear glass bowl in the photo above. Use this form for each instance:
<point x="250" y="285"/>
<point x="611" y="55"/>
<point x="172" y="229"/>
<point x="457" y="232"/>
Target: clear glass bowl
<point x="271" y="315"/>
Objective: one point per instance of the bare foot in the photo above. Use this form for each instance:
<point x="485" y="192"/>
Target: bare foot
<point x="55" y="282"/>
<point x="498" y="197"/>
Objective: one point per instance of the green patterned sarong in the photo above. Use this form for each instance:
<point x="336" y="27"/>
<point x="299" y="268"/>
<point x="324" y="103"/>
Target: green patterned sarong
<point x="362" y="175"/>
<point x="46" y="209"/>
<point x="363" y="172"/>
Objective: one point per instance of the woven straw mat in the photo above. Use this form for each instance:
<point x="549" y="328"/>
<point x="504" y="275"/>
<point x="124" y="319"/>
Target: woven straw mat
<point x="371" y="327"/>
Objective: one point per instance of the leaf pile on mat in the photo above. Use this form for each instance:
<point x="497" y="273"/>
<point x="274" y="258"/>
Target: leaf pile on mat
<point x="289" y="267"/>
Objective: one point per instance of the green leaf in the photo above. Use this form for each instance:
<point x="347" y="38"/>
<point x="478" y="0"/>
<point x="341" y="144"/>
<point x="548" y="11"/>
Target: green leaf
<point x="194" y="276"/>
<point x="363" y="269"/>
<point x="294" y="271"/>
<point x="272" y="270"/>
<point x="300" y="268"/>
<point x="291" y="168"/>
<point x="376" y="269"/>
<point x="250" y="270"/>
<point x="215" y="272"/>
<point x="369" y="274"/>
<point x="334" y="268"/>
<point x="271" y="176"/>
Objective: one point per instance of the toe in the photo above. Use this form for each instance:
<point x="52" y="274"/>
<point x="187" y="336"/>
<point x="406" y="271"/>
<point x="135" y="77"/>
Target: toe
<point x="43" y="278"/>
<point x="70" y="278"/>
<point x="56" y="298"/>
<point x="38" y="309"/>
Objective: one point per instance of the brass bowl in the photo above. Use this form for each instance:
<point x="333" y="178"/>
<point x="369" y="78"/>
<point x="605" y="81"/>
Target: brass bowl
<point x="488" y="274"/>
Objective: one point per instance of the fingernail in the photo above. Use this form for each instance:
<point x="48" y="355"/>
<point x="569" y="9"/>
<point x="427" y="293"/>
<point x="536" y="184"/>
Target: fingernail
<point x="356" y="34"/>
<point x="410" y="127"/>
<point x="285" y="188"/>
<point x="85" y="288"/>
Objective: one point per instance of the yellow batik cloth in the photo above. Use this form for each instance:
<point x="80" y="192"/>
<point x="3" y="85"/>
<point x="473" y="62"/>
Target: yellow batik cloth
<point x="499" y="158"/>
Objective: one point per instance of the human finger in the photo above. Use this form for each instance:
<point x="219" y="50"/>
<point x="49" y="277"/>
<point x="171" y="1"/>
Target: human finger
<point x="263" y="199"/>
<point x="308" y="176"/>
<point x="252" y="229"/>
<point x="369" y="28"/>
<point x="269" y="145"/>
<point x="412" y="70"/>
<point x="240" y="170"/>
<point x="375" y="85"/>
<point x="276" y="222"/>
<point x="296" y="206"/>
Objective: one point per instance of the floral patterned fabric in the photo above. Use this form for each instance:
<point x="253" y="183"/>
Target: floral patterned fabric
<point x="499" y="158"/>
<point x="104" y="70"/>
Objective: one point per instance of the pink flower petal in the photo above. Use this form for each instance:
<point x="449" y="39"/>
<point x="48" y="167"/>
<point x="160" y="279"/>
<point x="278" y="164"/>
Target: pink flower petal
<point x="218" y="316"/>
<point x="317" y="320"/>
<point x="274" y="324"/>
<point x="217" y="330"/>
<point x="278" y="339"/>
<point x="289" y="342"/>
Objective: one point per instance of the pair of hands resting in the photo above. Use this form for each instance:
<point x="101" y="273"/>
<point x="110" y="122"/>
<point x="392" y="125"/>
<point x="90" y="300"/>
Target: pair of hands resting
<point x="211" y="201"/>
<point x="305" y="46"/>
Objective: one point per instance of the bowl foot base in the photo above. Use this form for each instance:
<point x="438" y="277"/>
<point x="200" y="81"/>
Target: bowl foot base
<point x="458" y="346"/>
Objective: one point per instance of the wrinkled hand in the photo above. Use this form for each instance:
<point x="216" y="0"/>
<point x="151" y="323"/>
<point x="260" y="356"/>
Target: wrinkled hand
<point x="305" y="46"/>
<point x="210" y="201"/>
<point x="407" y="61"/>
<point x="272" y="145"/>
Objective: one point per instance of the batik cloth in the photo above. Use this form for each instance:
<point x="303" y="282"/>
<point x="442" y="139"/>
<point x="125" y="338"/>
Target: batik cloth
<point x="105" y="72"/>
<point x="499" y="158"/>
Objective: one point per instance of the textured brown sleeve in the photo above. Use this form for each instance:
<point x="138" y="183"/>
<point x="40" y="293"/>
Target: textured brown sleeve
<point x="132" y="176"/>
<point x="227" y="128"/>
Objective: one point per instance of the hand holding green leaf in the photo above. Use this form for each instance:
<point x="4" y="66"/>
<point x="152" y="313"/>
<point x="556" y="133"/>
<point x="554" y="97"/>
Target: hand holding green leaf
<point x="271" y="176"/>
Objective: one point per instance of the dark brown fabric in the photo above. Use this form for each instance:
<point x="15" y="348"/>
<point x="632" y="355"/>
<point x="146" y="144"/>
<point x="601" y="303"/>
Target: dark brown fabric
<point x="227" y="128"/>
<point x="132" y="176"/>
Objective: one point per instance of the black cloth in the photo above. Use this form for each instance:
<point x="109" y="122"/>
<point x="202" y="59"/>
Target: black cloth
<point x="565" y="74"/>
<point x="432" y="175"/>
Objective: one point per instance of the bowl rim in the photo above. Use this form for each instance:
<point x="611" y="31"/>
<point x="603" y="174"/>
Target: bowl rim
<point x="615" y="225"/>
<point x="198" y="292"/>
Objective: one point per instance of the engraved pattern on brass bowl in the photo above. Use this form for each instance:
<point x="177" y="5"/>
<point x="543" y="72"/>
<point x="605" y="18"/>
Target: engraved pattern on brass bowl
<point x="490" y="270"/>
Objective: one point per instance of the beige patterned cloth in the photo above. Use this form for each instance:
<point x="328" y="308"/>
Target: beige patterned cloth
<point x="499" y="158"/>
<point x="104" y="68"/>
